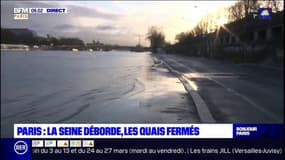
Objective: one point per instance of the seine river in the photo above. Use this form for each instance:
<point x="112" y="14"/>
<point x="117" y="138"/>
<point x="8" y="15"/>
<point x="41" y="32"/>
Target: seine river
<point x="89" y="87"/>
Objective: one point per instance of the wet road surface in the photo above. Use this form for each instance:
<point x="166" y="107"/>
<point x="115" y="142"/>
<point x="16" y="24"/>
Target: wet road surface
<point x="234" y="93"/>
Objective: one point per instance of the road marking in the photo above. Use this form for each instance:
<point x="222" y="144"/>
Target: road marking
<point x="215" y="75"/>
<point x="251" y="102"/>
<point x="202" y="109"/>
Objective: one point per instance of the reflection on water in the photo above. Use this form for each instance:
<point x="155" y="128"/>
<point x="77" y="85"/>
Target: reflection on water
<point x="55" y="79"/>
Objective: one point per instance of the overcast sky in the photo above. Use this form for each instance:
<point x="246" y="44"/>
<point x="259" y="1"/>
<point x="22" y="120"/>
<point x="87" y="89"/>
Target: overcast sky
<point x="111" y="22"/>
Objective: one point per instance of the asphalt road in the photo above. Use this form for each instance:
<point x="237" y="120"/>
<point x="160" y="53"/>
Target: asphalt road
<point x="234" y="93"/>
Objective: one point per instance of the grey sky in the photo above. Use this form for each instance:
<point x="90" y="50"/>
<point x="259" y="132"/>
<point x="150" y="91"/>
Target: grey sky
<point x="110" y="22"/>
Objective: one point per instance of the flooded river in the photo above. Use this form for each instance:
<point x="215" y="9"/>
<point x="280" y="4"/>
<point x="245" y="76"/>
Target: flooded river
<point x="89" y="87"/>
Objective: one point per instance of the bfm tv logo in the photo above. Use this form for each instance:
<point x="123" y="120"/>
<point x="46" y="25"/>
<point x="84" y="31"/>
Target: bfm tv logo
<point x="21" y="13"/>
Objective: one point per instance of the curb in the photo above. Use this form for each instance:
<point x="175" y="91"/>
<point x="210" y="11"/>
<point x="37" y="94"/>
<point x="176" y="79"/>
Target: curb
<point x="202" y="108"/>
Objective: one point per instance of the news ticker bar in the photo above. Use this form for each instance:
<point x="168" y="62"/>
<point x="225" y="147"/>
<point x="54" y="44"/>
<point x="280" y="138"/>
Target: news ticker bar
<point x="26" y="149"/>
<point x="138" y="131"/>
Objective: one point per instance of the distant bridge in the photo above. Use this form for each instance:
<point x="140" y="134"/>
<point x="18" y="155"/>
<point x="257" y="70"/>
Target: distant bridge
<point x="14" y="47"/>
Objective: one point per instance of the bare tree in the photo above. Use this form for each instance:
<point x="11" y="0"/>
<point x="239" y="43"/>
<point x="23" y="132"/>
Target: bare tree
<point x="184" y="36"/>
<point x="276" y="5"/>
<point x="181" y="37"/>
<point x="211" y="22"/>
<point x="242" y="9"/>
<point x="201" y="28"/>
<point x="236" y="12"/>
<point x="250" y="6"/>
<point x="156" y="38"/>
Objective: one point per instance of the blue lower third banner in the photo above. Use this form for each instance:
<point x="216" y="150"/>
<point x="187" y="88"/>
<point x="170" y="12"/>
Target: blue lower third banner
<point x="248" y="141"/>
<point x="258" y="131"/>
<point x="15" y="149"/>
